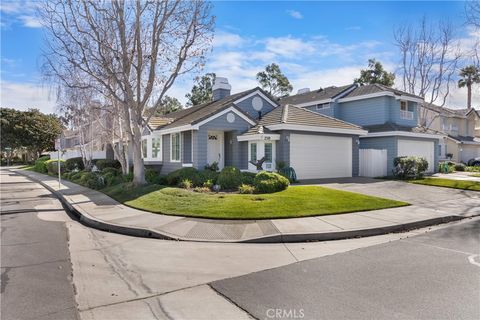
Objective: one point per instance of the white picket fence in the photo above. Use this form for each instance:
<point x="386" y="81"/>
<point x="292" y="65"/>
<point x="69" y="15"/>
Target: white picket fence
<point x="373" y="163"/>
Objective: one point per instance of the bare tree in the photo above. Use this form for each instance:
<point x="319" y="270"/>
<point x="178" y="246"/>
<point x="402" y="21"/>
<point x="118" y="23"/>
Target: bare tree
<point x="430" y="56"/>
<point x="132" y="51"/>
<point x="472" y="13"/>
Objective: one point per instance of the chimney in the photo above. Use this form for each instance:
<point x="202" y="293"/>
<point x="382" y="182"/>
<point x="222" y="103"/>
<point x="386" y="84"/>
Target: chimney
<point x="221" y="88"/>
<point x="303" y="90"/>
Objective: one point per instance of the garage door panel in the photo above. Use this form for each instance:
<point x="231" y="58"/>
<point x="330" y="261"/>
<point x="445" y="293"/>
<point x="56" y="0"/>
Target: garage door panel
<point x="469" y="152"/>
<point x="415" y="148"/>
<point x="315" y="156"/>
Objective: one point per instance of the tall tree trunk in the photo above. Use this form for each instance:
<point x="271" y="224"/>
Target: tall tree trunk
<point x="469" y="95"/>
<point x="138" y="167"/>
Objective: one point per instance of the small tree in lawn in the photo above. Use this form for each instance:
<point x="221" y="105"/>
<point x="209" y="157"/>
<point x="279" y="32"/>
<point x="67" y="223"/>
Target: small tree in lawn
<point x="274" y="81"/>
<point x="375" y="73"/>
<point x="469" y="75"/>
<point x="201" y="90"/>
<point x="132" y="51"/>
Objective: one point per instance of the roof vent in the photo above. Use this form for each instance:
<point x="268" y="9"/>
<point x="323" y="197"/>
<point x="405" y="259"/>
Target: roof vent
<point x="303" y="90"/>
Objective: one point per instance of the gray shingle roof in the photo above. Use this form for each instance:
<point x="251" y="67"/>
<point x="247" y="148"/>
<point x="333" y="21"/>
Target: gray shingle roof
<point x="448" y="111"/>
<point x="375" y="88"/>
<point x="315" y="95"/>
<point x="390" y="126"/>
<point x="198" y="113"/>
<point x="290" y="114"/>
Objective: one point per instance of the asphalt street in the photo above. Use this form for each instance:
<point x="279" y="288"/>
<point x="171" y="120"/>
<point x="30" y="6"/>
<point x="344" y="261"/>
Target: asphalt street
<point x="430" y="276"/>
<point x="36" y="278"/>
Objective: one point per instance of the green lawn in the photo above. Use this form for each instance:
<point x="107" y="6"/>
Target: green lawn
<point x="298" y="201"/>
<point x="449" y="183"/>
<point x="475" y="175"/>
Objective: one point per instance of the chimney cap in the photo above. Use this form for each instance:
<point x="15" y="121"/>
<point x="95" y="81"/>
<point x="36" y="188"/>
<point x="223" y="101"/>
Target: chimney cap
<point x="221" y="83"/>
<point x="303" y="90"/>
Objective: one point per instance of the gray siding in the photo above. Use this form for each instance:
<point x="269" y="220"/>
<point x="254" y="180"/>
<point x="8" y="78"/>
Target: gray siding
<point x="283" y="147"/>
<point x="365" y="112"/>
<point x="221" y="124"/>
<point x="187" y="147"/>
<point x="246" y="106"/>
<point x="168" y="166"/>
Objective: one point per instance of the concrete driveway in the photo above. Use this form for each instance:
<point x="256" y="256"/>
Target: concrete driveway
<point x="455" y="201"/>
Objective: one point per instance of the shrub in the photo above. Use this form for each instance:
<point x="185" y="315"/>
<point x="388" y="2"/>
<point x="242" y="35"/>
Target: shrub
<point x="174" y="178"/>
<point x="268" y="182"/>
<point x="473" y="168"/>
<point x="111" y="179"/>
<point x="185" y="184"/>
<point x="288" y="173"/>
<point x="279" y="165"/>
<point x="107" y="163"/>
<point x="409" y="167"/>
<point x="91" y="180"/>
<point x="246" y="189"/>
<point x="151" y="175"/>
<point x="52" y="166"/>
<point x="74" y="164"/>
<point x="445" y="167"/>
<point x="113" y="171"/>
<point x="208" y="184"/>
<point x="206" y="175"/>
<point x="76" y="176"/>
<point x="459" y="167"/>
<point x="212" y="167"/>
<point x="230" y="178"/>
<point x="40" y="165"/>
<point x="248" y="177"/>
<point x="127" y="177"/>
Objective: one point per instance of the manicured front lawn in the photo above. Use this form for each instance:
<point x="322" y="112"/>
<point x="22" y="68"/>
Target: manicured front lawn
<point x="294" y="202"/>
<point x="449" y="183"/>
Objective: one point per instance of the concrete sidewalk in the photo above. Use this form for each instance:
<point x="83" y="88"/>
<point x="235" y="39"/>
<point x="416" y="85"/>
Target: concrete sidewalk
<point x="97" y="210"/>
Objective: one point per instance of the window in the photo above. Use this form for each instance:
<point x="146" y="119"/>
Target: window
<point x="323" y="106"/>
<point x="268" y="153"/>
<point x="253" y="152"/>
<point x="175" y="147"/>
<point x="403" y="106"/>
<point x="144" y="148"/>
<point x="404" y="112"/>
<point x="156" y="148"/>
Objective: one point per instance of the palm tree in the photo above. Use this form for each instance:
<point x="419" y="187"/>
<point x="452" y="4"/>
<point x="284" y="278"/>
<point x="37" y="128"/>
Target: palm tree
<point x="469" y="75"/>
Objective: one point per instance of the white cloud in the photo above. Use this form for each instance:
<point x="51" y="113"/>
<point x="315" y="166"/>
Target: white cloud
<point x="295" y="14"/>
<point x="23" y="96"/>
<point x="227" y="39"/>
<point x="30" y="21"/>
<point x="289" y="47"/>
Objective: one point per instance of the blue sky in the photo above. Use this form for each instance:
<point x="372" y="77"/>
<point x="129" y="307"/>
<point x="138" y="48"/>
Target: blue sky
<point x="315" y="43"/>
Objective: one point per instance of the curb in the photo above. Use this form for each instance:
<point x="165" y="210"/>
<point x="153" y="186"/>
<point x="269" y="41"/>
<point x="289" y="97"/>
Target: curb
<point x="92" y="222"/>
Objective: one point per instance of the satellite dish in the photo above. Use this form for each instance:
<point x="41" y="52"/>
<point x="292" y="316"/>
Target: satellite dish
<point x="257" y="103"/>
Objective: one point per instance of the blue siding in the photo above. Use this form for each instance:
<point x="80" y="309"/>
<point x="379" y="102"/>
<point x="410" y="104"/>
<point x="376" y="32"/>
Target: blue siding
<point x="247" y="107"/>
<point x="220" y="124"/>
<point x="168" y="166"/>
<point x="395" y="113"/>
<point x="365" y="112"/>
<point x="328" y="112"/>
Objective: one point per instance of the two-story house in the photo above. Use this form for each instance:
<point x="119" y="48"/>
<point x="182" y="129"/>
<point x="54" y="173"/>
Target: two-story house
<point x="389" y="115"/>
<point x="247" y="127"/>
<point x="461" y="129"/>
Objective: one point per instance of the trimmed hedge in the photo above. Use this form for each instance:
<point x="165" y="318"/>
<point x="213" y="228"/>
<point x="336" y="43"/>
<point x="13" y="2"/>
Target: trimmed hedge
<point x="107" y="163"/>
<point x="52" y="166"/>
<point x="40" y="164"/>
<point x="74" y="164"/>
<point x="175" y="177"/>
<point x="248" y="177"/>
<point x="230" y="178"/>
<point x="269" y="182"/>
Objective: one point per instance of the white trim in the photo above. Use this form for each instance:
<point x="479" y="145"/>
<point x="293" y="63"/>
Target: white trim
<point x="191" y="145"/>
<point x="381" y="94"/>
<point x="296" y="127"/>
<point x="319" y="104"/>
<point x="221" y="113"/>
<point x="254" y="93"/>
<point x="259" y="136"/>
<point x="187" y="165"/>
<point x="475" y="143"/>
<point x="175" y="130"/>
<point x="171" y="149"/>
<point x="403" y="134"/>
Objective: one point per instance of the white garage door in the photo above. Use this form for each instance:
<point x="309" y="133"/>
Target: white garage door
<point x="469" y="152"/>
<point x="315" y="157"/>
<point x="425" y="149"/>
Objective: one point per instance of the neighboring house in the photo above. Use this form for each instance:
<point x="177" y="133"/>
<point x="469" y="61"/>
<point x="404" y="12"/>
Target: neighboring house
<point x="235" y="129"/>
<point x="461" y="127"/>
<point x="389" y="115"/>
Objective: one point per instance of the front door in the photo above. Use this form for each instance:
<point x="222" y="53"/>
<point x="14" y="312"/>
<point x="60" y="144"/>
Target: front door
<point x="215" y="148"/>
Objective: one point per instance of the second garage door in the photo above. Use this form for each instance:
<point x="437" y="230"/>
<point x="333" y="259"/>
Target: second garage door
<point x="315" y="156"/>
<point x="425" y="149"/>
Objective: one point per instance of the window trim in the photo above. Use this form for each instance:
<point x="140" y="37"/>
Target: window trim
<point x="144" y="148"/>
<point x="405" y="114"/>
<point x="325" y="106"/>
<point x="159" y="155"/>
<point x="265" y="153"/>
<point x="250" y="153"/>
<point x="179" y="146"/>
